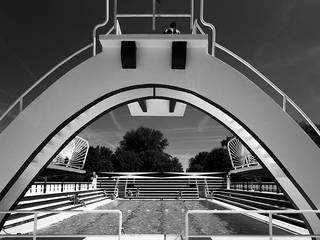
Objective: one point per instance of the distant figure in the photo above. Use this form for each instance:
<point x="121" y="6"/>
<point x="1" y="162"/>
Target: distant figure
<point x="105" y="193"/>
<point x="172" y="29"/>
<point x="130" y="194"/>
<point x="179" y="195"/>
<point x="112" y="196"/>
<point x="211" y="194"/>
<point x="94" y="179"/>
<point x="75" y="199"/>
<point x="137" y="192"/>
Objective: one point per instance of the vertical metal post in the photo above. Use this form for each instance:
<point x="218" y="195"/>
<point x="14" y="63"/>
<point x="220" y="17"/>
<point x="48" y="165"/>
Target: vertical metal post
<point x="187" y="225"/>
<point x="191" y="13"/>
<point x="35" y="225"/>
<point x="120" y="225"/>
<point x="270" y="226"/>
<point x="154" y="15"/>
<point x="284" y="103"/>
<point x="228" y="181"/>
<point x="115" y="12"/>
<point x="21" y="105"/>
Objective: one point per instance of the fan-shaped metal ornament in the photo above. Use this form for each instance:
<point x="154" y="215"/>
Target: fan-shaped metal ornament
<point x="73" y="155"/>
<point x="239" y="155"/>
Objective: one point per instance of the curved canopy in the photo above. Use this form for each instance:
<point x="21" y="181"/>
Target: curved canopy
<point x="101" y="84"/>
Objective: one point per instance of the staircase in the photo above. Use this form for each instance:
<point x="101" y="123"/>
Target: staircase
<point x="162" y="188"/>
<point x="260" y="201"/>
<point x="55" y="201"/>
<point x="109" y="185"/>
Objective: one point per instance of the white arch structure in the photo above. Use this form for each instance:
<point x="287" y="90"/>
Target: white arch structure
<point x="99" y="85"/>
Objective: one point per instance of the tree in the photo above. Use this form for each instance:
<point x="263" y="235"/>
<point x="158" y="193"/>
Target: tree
<point x="98" y="160"/>
<point x="143" y="150"/>
<point x="217" y="160"/>
<point x="197" y="163"/>
<point x="143" y="139"/>
<point x="126" y="161"/>
<point x="225" y="141"/>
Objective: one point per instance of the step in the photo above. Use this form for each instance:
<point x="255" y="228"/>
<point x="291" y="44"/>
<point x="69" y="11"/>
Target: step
<point x="267" y="200"/>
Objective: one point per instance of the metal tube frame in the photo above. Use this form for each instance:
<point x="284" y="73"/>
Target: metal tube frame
<point x="20" y="99"/>
<point x="213" y="29"/>
<point x="156" y="15"/>
<point x="35" y="223"/>
<point x="94" y="51"/>
<point x="270" y="223"/>
<point x="191" y="15"/>
<point x="271" y="84"/>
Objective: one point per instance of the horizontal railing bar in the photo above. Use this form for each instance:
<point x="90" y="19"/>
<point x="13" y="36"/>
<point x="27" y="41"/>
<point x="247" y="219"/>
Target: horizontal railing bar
<point x="42" y="78"/>
<point x="55" y="236"/>
<point x="61" y="211"/>
<point x="253" y="211"/>
<point x="304" y="115"/>
<point x="256" y="236"/>
<point x="157" y="15"/>
<point x="251" y="67"/>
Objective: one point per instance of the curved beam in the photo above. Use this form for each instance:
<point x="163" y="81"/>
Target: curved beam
<point x="42" y="128"/>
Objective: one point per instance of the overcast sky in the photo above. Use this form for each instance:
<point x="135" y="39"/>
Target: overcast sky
<point x="279" y="37"/>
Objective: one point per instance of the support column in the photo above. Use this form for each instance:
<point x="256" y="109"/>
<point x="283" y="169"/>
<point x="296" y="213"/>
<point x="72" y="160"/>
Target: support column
<point x="228" y="180"/>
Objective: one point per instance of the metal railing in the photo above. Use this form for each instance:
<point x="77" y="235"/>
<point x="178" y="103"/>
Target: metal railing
<point x="35" y="234"/>
<point x="154" y="15"/>
<point x="256" y="186"/>
<point x="285" y="98"/>
<point x="270" y="214"/>
<point x="39" y="188"/>
<point x="19" y="101"/>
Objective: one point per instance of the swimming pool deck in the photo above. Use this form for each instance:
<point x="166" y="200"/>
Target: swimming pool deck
<point x="175" y="237"/>
<point x="44" y="222"/>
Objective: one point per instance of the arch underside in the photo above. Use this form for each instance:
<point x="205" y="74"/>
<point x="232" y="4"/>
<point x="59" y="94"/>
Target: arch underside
<point x="100" y="85"/>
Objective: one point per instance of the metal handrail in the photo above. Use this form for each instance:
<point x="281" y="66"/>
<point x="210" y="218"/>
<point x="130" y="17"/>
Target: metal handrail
<point x="213" y="29"/>
<point x="94" y="50"/>
<point x="285" y="97"/>
<point x="270" y="222"/>
<point x="37" y="212"/>
<point x="20" y="99"/>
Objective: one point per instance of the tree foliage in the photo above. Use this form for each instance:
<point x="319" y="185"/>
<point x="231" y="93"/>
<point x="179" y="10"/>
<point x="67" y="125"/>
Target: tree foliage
<point x="143" y="139"/>
<point x="98" y="159"/>
<point x="143" y="150"/>
<point x="217" y="160"/>
<point x="140" y="150"/>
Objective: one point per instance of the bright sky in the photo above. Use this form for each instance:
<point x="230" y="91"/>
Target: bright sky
<point x="281" y="38"/>
<point x="187" y="135"/>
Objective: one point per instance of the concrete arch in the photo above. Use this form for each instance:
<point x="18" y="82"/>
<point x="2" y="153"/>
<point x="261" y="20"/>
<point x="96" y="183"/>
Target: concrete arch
<point x="100" y="84"/>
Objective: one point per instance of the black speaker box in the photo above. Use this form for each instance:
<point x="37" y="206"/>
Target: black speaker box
<point x="179" y="55"/>
<point x="128" y="54"/>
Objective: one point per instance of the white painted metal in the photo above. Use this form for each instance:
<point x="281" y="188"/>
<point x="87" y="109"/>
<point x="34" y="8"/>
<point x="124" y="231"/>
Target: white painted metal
<point x="94" y="48"/>
<point x="270" y="213"/>
<point x="270" y="83"/>
<point x="196" y="27"/>
<point x="37" y="212"/>
<point x="240" y="156"/>
<point x="157" y="107"/>
<point x="213" y="29"/>
<point x="20" y="99"/>
<point x="73" y="155"/>
<point x="205" y="76"/>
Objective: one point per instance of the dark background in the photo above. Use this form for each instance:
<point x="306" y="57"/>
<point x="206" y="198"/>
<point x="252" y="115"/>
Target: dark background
<point x="279" y="37"/>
